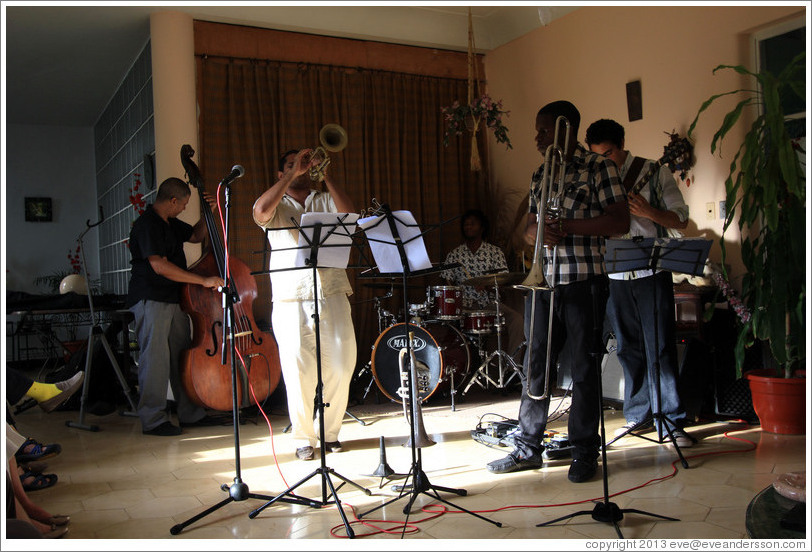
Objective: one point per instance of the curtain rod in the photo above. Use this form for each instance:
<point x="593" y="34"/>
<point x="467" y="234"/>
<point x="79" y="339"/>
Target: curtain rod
<point x="307" y="64"/>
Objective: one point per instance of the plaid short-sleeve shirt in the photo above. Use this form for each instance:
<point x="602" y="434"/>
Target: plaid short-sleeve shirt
<point x="591" y="183"/>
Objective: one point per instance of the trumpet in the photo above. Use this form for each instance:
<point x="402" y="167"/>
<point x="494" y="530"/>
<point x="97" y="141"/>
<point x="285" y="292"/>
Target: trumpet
<point x="333" y="138"/>
<point x="547" y="205"/>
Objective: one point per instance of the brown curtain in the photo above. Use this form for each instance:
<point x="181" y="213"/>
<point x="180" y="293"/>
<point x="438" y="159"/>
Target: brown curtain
<point x="252" y="111"/>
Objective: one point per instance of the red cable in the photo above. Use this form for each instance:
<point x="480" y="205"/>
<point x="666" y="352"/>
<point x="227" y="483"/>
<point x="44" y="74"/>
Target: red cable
<point x="430" y="508"/>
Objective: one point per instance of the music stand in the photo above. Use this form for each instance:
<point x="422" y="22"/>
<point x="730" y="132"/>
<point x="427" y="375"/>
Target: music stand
<point x="685" y="255"/>
<point x="315" y="242"/>
<point x="238" y="490"/>
<point x="400" y="253"/>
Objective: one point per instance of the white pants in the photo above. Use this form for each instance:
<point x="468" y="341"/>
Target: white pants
<point x="295" y="331"/>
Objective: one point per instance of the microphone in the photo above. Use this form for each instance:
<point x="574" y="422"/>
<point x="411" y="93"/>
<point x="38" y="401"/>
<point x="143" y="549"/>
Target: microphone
<point x="236" y="172"/>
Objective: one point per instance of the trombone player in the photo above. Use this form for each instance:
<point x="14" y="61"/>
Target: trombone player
<point x="582" y="202"/>
<point x="293" y="302"/>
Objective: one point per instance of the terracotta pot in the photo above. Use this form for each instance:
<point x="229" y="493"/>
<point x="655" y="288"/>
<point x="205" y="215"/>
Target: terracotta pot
<point x="780" y="403"/>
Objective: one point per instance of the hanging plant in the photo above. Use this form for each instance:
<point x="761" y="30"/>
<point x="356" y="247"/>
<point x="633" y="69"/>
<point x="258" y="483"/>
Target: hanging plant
<point x="479" y="112"/>
<point x="483" y="111"/>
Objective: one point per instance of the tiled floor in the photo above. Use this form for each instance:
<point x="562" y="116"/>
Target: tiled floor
<point x="119" y="484"/>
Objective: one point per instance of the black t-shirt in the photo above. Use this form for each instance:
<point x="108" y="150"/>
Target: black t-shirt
<point x="150" y="235"/>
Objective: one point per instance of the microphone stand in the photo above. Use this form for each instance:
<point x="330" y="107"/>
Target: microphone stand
<point x="606" y="511"/>
<point x="96" y="332"/>
<point x="238" y="490"/>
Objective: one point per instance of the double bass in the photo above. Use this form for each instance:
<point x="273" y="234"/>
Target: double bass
<point x="205" y="366"/>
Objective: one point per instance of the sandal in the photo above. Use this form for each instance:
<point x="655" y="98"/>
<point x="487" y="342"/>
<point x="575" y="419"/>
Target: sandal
<point x="37" y="481"/>
<point x="58" y="520"/>
<point x="37" y="451"/>
<point x="36" y="466"/>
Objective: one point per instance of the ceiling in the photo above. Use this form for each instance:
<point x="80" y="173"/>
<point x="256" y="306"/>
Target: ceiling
<point x="65" y="62"/>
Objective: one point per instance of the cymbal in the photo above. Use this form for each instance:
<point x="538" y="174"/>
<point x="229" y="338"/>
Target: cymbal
<point x="500" y="278"/>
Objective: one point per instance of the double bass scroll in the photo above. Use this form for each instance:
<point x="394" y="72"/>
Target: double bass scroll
<point x="205" y="366"/>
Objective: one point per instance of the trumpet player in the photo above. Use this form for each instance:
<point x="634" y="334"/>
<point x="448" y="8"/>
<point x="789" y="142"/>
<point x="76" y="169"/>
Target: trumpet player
<point x="293" y="304"/>
<point x="592" y="205"/>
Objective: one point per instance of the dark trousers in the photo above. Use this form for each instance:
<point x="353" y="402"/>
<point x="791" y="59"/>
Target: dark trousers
<point x="631" y="311"/>
<point x="17" y="384"/>
<point x="578" y="313"/>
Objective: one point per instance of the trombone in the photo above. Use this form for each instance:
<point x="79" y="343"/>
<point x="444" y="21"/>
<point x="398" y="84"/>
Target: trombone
<point x="417" y="383"/>
<point x="536" y="280"/>
<point x="333" y="138"/>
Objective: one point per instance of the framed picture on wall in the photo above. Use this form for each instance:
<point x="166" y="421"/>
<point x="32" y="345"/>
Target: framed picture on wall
<point x="38" y="209"/>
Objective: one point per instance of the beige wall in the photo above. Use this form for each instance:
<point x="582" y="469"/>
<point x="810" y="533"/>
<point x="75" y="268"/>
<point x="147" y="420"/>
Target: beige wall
<point x="588" y="56"/>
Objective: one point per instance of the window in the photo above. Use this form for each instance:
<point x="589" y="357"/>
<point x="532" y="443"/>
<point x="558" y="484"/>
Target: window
<point x="774" y="48"/>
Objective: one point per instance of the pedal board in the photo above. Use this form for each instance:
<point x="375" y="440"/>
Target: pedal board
<point x="555" y="445"/>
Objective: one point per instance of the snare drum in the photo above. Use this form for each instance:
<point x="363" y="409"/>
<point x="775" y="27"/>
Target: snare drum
<point x="482" y="322"/>
<point x="445" y="302"/>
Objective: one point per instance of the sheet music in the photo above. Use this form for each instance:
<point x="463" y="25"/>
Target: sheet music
<point x="334" y="251"/>
<point x="383" y="246"/>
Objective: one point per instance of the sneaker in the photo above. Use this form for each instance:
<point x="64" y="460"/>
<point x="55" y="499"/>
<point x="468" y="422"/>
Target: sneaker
<point x="305" y="453"/>
<point x="166" y="429"/>
<point x="582" y="470"/>
<point x="67" y="388"/>
<point x="682" y="439"/>
<point x="628" y="427"/>
<point x="333" y="446"/>
<point x="513" y="462"/>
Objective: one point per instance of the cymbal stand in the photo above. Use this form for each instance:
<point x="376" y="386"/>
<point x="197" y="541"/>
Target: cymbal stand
<point x="420" y="482"/>
<point x="502" y="356"/>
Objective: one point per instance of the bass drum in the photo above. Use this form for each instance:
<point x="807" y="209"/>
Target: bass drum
<point x="441" y="347"/>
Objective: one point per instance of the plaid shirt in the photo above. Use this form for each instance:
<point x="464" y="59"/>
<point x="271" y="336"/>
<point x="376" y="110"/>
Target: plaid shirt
<point x="591" y="183"/>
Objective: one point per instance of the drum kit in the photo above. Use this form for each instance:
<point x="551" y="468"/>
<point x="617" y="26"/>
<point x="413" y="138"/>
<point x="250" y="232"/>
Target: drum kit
<point x="444" y="336"/>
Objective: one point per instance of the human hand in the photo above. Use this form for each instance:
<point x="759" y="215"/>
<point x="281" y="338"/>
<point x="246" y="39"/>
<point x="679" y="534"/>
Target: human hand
<point x="211" y="200"/>
<point x="213" y="282"/>
<point x="553" y="231"/>
<point x="638" y="206"/>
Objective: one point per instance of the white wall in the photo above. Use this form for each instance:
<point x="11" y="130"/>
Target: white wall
<point x="55" y="162"/>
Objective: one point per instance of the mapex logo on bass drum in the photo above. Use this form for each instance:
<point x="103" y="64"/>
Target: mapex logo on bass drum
<point x="399" y="342"/>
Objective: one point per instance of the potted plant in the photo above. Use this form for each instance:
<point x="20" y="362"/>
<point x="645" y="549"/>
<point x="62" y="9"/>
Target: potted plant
<point x="765" y="196"/>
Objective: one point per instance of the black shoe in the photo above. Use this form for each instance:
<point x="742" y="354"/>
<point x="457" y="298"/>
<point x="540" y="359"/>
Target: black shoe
<point x="166" y="429"/>
<point x="205" y="421"/>
<point x="333" y="446"/>
<point x="513" y="462"/>
<point x="582" y="470"/>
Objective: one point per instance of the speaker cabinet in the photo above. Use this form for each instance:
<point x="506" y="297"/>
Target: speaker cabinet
<point x="612" y="379"/>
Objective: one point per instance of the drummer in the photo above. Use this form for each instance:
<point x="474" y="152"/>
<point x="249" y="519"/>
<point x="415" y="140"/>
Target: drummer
<point x="478" y="257"/>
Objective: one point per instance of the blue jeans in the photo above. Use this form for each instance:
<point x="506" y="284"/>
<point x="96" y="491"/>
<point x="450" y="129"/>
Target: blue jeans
<point x="575" y="341"/>
<point x="631" y="312"/>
